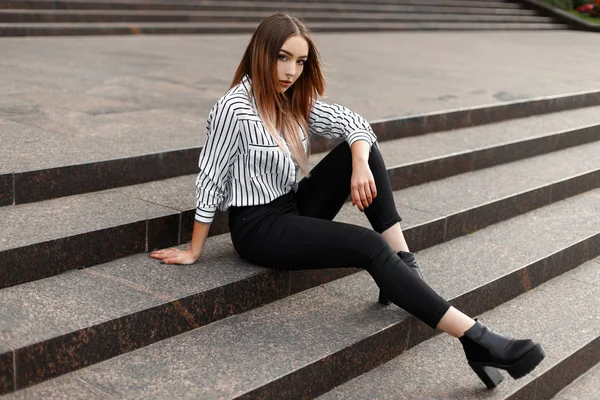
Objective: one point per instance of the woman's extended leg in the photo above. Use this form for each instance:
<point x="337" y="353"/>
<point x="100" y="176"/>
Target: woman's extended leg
<point x="276" y="236"/>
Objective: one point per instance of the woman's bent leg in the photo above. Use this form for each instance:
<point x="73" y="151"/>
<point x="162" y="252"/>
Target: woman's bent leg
<point x="323" y="193"/>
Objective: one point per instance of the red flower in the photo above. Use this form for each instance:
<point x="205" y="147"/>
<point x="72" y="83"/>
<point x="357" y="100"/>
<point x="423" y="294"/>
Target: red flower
<point x="586" y="8"/>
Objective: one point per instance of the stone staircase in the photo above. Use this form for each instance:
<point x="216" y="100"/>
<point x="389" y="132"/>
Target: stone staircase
<point x="502" y="202"/>
<point x="124" y="17"/>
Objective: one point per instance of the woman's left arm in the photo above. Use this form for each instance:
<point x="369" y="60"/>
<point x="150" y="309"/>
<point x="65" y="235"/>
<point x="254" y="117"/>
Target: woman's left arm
<point x="335" y="121"/>
<point x="362" y="183"/>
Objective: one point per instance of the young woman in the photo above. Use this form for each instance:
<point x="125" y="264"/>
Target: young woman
<point x="257" y="142"/>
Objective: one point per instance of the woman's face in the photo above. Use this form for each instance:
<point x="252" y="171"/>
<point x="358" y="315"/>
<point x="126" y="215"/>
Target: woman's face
<point x="290" y="61"/>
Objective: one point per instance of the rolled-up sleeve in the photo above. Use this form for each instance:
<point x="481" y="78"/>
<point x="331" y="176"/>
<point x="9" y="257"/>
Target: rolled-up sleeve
<point x="335" y="121"/>
<point x="222" y="137"/>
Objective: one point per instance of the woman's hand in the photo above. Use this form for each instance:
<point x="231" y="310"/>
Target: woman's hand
<point x="362" y="185"/>
<point x="174" y="256"/>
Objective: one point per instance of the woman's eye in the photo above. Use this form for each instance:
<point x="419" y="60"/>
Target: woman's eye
<point x="301" y="62"/>
<point x="282" y="57"/>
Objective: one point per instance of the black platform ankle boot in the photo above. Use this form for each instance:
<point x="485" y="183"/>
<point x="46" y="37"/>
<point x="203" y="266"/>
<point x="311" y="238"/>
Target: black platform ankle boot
<point x="409" y="259"/>
<point x="487" y="352"/>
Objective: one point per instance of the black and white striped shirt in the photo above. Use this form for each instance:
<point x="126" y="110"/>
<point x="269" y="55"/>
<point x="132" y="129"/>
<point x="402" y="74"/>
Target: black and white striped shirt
<point x="241" y="164"/>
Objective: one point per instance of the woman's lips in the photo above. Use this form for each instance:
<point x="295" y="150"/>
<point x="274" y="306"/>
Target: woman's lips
<point x="285" y="83"/>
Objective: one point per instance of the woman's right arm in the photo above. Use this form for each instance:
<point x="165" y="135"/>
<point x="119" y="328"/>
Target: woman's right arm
<point x="189" y="256"/>
<point x="216" y="158"/>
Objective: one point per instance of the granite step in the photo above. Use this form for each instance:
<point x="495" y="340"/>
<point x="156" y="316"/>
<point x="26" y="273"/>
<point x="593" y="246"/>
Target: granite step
<point x="415" y="160"/>
<point x="305" y="344"/>
<point x="474" y="3"/>
<point x="561" y="314"/>
<point x="61" y="323"/>
<point x="58" y="235"/>
<point x="189" y="5"/>
<point x="587" y="386"/>
<point x="75" y="29"/>
<point x="55" y="172"/>
<point x="120" y="16"/>
<point x="262" y="6"/>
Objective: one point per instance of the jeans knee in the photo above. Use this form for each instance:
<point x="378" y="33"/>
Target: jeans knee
<point x="375" y="251"/>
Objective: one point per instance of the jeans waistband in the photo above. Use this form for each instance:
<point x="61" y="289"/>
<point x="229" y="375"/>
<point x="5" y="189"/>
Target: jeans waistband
<point x="281" y="204"/>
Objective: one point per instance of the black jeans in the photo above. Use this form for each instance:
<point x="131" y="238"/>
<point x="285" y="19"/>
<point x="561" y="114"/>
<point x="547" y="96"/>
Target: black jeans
<point x="296" y="231"/>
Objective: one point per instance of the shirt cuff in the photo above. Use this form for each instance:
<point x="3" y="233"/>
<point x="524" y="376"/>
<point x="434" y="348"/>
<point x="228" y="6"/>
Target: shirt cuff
<point x="205" y="214"/>
<point x="361" y="135"/>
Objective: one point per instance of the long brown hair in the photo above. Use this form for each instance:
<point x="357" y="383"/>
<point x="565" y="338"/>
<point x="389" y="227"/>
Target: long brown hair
<point x="282" y="112"/>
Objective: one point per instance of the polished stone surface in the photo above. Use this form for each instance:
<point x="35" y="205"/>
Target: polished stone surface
<point x="587" y="386"/>
<point x="112" y="290"/>
<point x="547" y="165"/>
<point x="28" y="224"/>
<point x="51" y="183"/>
<point x="149" y="94"/>
<point x="92" y="176"/>
<point x="40" y="260"/>
<point x="521" y="240"/>
<point x="6" y="189"/>
<point x="7" y="376"/>
<point x="494" y="194"/>
<point x="83" y="317"/>
<point x="550" y="314"/>
<point x="411" y="149"/>
<point x="322" y="333"/>
<point x="58" y="235"/>
<point x="67" y="388"/>
<point x="232" y="356"/>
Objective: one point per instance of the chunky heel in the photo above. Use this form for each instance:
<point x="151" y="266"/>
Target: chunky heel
<point x="489" y="375"/>
<point x="488" y="352"/>
<point x="383" y="299"/>
<point x="527" y="363"/>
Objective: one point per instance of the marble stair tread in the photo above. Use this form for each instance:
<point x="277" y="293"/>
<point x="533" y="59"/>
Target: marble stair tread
<point x="362" y="4"/>
<point x="424" y="147"/>
<point x="457" y="3"/>
<point x="417" y="205"/>
<point x="585" y="387"/>
<point x="498" y="9"/>
<point x="67" y="29"/>
<point x="561" y="314"/>
<point x="51" y="307"/>
<point x="241" y="353"/>
<point x="148" y="135"/>
<point x="116" y="16"/>
<point x="104" y="225"/>
<point x="28" y="224"/>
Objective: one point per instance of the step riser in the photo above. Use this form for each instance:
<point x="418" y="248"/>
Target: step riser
<point x="292" y="8"/>
<point x="68" y="353"/>
<point x="468" y="221"/>
<point x="355" y="360"/>
<point x="53" y="257"/>
<point x="168" y="231"/>
<point x="63" y="5"/>
<point x="32" y="186"/>
<point x="226" y="17"/>
<point x="443" y="167"/>
<point x="561" y="375"/>
<point x="16" y="30"/>
<point x="7" y="197"/>
<point x="52" y="183"/>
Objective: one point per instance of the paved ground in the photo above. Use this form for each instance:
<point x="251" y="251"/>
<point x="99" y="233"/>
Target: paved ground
<point x="70" y="100"/>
